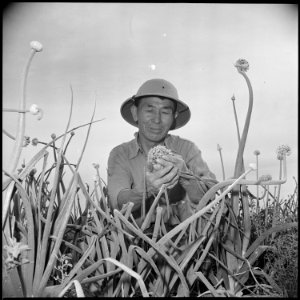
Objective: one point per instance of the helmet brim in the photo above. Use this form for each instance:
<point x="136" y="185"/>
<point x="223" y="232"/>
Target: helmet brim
<point x="184" y="113"/>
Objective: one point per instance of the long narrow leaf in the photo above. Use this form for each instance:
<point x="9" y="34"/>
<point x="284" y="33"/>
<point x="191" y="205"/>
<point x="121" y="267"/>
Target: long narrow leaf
<point x="270" y="280"/>
<point x="29" y="166"/>
<point x="126" y="259"/>
<point x="207" y="283"/>
<point x="28" y="268"/>
<point x="62" y="227"/>
<point x="52" y="199"/>
<point x="145" y="256"/>
<point x="236" y="277"/>
<point x="79" y="264"/>
<point x="105" y="215"/>
<point x="131" y="273"/>
<point x="158" y="248"/>
<point x="78" y="288"/>
<point x="151" y="210"/>
<point x="199" y="213"/>
<point x="261" y="238"/>
<point x="70" y="245"/>
<point x="158" y="220"/>
<point x="198" y="243"/>
<point x="86" y="139"/>
<point x="101" y="277"/>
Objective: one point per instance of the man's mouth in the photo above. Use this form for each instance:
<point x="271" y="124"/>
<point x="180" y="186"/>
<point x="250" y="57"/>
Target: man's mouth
<point x="155" y="130"/>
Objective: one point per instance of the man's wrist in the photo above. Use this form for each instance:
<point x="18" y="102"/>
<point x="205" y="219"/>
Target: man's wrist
<point x="184" y="182"/>
<point x="185" y="178"/>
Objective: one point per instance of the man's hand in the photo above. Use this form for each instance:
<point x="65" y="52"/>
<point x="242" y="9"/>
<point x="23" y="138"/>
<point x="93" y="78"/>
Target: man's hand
<point x="163" y="173"/>
<point x="174" y="159"/>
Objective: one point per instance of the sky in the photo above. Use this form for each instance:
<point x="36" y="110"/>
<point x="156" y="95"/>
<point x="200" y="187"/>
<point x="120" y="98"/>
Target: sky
<point x="105" y="51"/>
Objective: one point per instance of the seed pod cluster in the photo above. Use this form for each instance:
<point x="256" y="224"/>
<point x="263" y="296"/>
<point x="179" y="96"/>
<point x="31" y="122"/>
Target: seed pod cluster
<point x="155" y="153"/>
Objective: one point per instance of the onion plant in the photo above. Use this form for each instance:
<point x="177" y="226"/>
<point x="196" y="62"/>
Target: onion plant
<point x="61" y="238"/>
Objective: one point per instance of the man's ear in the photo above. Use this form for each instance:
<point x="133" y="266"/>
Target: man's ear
<point x="133" y="109"/>
<point x="176" y="114"/>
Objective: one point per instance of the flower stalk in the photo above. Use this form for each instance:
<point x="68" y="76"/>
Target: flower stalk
<point x="257" y="153"/>
<point x="34" y="110"/>
<point x="219" y="148"/>
<point x="242" y="66"/>
<point x="236" y="118"/>
<point x="22" y="108"/>
<point x="18" y="145"/>
<point x="282" y="152"/>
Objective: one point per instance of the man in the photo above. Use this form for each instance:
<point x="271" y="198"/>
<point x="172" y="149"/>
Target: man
<point x="155" y="110"/>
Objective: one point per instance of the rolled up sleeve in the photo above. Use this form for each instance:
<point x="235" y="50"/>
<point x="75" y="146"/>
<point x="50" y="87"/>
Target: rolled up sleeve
<point x="118" y="178"/>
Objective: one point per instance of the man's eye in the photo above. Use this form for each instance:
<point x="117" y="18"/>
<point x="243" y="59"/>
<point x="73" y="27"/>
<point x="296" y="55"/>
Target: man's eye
<point x="167" y="112"/>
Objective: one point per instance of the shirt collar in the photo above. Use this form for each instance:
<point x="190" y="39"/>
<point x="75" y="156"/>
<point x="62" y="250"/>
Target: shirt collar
<point x="135" y="145"/>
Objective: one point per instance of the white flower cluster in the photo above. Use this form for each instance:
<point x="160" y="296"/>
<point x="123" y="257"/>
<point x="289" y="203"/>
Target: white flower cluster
<point x="63" y="268"/>
<point x="283" y="150"/>
<point x="155" y="153"/>
<point x="256" y="152"/>
<point x="242" y="65"/>
<point x="36" y="110"/>
<point x="14" y="250"/>
<point x="36" y="46"/>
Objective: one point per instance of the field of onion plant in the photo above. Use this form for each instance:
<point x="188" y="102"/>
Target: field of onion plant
<point x="62" y="239"/>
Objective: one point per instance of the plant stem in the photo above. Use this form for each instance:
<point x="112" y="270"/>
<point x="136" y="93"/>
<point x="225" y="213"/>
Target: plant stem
<point x="276" y="203"/>
<point x="239" y="160"/>
<point x="15" y="110"/>
<point x="257" y="187"/>
<point x="222" y="163"/>
<point x="21" y="122"/>
<point x="17" y="149"/>
<point x="86" y="139"/>
<point x="266" y="208"/>
<point x="236" y="119"/>
<point x="8" y="134"/>
<point x="232" y="261"/>
<point x="38" y="286"/>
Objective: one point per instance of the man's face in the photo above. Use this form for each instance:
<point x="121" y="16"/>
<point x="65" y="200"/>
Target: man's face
<point x="155" y="117"/>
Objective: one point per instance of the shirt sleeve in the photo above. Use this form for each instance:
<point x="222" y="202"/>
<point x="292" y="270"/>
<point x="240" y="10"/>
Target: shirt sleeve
<point x="118" y="178"/>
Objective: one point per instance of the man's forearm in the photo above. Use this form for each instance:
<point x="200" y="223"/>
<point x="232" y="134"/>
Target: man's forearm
<point x="130" y="195"/>
<point x="195" y="188"/>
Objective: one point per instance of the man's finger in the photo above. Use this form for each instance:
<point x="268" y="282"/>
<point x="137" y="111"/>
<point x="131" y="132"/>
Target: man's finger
<point x="169" y="158"/>
<point x="165" y="170"/>
<point x="173" y="182"/>
<point x="164" y="162"/>
<point x="170" y="176"/>
<point x="156" y="167"/>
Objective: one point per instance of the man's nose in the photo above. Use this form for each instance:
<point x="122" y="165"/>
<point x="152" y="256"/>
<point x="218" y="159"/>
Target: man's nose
<point x="157" y="117"/>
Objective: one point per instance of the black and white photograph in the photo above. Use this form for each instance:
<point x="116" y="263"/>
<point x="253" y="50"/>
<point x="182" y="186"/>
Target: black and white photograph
<point x="149" y="149"/>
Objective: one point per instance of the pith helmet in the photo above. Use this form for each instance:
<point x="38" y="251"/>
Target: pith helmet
<point x="160" y="88"/>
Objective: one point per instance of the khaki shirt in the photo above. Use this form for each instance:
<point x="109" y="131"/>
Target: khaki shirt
<point x="126" y="170"/>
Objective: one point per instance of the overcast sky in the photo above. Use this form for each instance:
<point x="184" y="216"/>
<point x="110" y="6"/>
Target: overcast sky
<point x="107" y="50"/>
